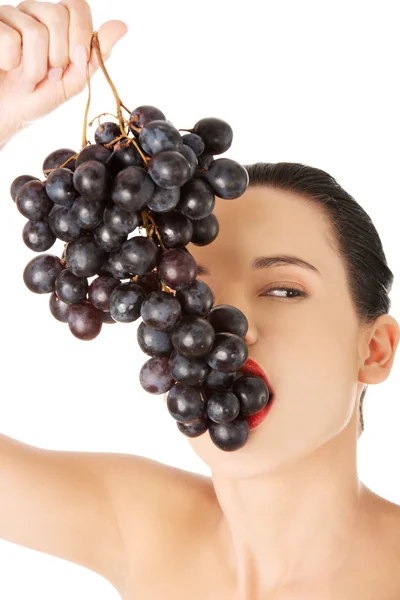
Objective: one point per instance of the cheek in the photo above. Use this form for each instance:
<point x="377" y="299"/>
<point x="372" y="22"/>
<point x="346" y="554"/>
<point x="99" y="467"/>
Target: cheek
<point x="314" y="372"/>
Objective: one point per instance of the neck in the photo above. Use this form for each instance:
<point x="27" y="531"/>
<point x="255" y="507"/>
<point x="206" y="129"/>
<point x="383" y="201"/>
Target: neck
<point x="296" y="524"/>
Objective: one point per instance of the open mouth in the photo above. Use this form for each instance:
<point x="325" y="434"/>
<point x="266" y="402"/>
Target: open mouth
<point x="252" y="368"/>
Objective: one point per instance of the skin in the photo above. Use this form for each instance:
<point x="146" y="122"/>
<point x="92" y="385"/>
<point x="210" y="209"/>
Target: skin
<point x="291" y="497"/>
<point x="39" y="67"/>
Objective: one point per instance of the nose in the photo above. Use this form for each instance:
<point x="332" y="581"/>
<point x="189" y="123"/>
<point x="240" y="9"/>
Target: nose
<point x="251" y="336"/>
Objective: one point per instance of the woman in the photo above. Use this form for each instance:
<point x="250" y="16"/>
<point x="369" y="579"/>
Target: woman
<point x="286" y="516"/>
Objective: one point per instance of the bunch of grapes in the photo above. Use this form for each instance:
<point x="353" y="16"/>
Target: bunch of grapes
<point x="126" y="207"/>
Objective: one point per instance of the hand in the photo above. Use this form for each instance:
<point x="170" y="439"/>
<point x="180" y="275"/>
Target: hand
<point x="44" y="49"/>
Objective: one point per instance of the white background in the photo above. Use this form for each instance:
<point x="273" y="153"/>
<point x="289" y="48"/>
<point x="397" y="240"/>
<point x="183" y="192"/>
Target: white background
<point x="311" y="82"/>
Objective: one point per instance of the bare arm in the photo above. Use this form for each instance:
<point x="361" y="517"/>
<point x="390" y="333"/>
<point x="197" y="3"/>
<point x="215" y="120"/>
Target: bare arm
<point x="58" y="503"/>
<point x="111" y="513"/>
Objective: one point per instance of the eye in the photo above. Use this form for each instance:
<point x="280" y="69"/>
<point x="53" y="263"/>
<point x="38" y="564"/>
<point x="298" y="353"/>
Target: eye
<point x="294" y="292"/>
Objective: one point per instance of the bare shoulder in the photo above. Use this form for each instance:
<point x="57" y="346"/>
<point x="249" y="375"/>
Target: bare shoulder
<point x="156" y="506"/>
<point x="384" y="553"/>
<point x="391" y="549"/>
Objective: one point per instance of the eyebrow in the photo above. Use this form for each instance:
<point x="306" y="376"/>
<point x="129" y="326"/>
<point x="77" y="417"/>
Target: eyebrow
<point x="263" y="262"/>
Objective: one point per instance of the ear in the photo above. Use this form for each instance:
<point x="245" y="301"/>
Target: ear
<point x="377" y="350"/>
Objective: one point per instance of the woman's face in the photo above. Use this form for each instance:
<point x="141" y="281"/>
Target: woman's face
<point x="307" y="346"/>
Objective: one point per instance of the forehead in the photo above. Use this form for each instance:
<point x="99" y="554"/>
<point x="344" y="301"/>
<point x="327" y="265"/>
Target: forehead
<point x="265" y="221"/>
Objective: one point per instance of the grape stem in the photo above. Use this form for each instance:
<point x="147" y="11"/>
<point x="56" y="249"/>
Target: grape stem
<point x="101" y="115"/>
<point x="119" y="104"/>
<point x="150" y="230"/>
<point x="60" y="166"/>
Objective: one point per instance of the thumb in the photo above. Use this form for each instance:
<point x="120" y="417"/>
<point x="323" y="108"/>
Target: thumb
<point x="108" y="34"/>
<point x="74" y="81"/>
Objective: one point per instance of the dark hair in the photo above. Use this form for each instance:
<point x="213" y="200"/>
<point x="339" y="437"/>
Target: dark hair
<point x="354" y="238"/>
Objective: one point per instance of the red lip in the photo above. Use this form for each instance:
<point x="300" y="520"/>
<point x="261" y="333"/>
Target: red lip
<point x="252" y="368"/>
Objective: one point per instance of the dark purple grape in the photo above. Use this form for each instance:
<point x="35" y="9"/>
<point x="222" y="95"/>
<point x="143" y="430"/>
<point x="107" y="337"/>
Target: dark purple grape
<point x="204" y="161"/>
<point x="177" y="268"/>
<point x="107" y="318"/>
<point x="63" y="223"/>
<point x="153" y="341"/>
<point x="194" y="429"/>
<point x="125" y="302"/>
<point x="124" y="154"/>
<point x="169" y="169"/>
<point x="193" y="337"/>
<point x="190" y="156"/>
<point x="132" y="188"/>
<point x="139" y="255"/>
<point x="38" y="236"/>
<point x="19" y="182"/>
<point x="252" y="393"/>
<point x="159" y="135"/>
<point x="174" y="228"/>
<point x="85" y="321"/>
<point x="145" y="114"/>
<point x="150" y="282"/>
<point x="119" y="220"/>
<point x="196" y="299"/>
<point x="229" y="352"/>
<point x="60" y="187"/>
<point x="83" y="256"/>
<point x="100" y="290"/>
<point x="155" y="377"/>
<point x="185" y="403"/>
<point x="161" y="310"/>
<point x="95" y="152"/>
<point x="92" y="179"/>
<point x="57" y="158"/>
<point x="88" y="213"/>
<point x="216" y="134"/>
<point x="229" y="436"/>
<point x="228" y="319"/>
<point x="223" y="406"/>
<point x="107" y="239"/>
<point x="188" y="371"/>
<point x="33" y="202"/>
<point x="70" y="288"/>
<point x="205" y="230"/>
<point x="107" y="132"/>
<point x="41" y="272"/>
<point x="58" y="308"/>
<point x="113" y="267"/>
<point x="194" y="142"/>
<point x="217" y="380"/>
<point x="164" y="200"/>
<point x="197" y="199"/>
<point x="228" y="178"/>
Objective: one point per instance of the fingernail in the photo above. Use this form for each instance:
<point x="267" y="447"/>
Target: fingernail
<point x="55" y="74"/>
<point x="125" y="32"/>
<point x="79" y="56"/>
<point x="27" y="88"/>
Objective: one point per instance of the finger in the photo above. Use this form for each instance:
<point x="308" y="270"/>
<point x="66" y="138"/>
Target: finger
<point x="80" y="30"/>
<point x="56" y="18"/>
<point x="108" y="34"/>
<point x="35" y="43"/>
<point x="10" y="47"/>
